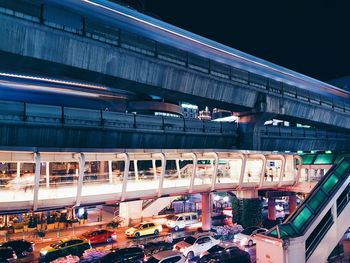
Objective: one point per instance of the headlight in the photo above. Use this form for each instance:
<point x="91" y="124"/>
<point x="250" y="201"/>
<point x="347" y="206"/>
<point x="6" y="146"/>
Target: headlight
<point x="43" y="252"/>
<point x="243" y="241"/>
<point x="182" y="250"/>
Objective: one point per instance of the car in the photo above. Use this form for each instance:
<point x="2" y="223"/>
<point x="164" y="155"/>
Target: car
<point x="180" y="221"/>
<point x="194" y="246"/>
<point x="228" y="255"/>
<point x="167" y="256"/>
<point x="246" y="237"/>
<point x="131" y="254"/>
<point x="21" y="247"/>
<point x="63" y="248"/>
<point x="7" y="254"/>
<point x="217" y="248"/>
<point x="99" y="236"/>
<point x="143" y="229"/>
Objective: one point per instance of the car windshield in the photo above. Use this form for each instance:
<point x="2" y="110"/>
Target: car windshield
<point x="138" y="226"/>
<point x="56" y="245"/>
<point x="152" y="260"/>
<point x="249" y="230"/>
<point x="215" y="248"/>
<point x="190" y="240"/>
<point x="87" y="234"/>
<point x="171" y="217"/>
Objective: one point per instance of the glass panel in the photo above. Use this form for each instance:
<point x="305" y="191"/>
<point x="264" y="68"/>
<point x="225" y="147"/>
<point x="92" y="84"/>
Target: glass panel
<point x="253" y="171"/>
<point x="204" y="173"/>
<point x="99" y="179"/>
<point x="308" y="158"/>
<point x="178" y="175"/>
<point x="324" y="159"/>
<point x="302" y="218"/>
<point x="339" y="157"/>
<point x="274" y="233"/>
<point x="273" y="170"/>
<point x="342" y="168"/>
<point x="229" y="171"/>
<point x="16" y="186"/>
<point x="63" y="180"/>
<point x="316" y="200"/>
<point x="330" y="183"/>
<point x="290" y="172"/>
<point x="145" y="177"/>
<point x="286" y="231"/>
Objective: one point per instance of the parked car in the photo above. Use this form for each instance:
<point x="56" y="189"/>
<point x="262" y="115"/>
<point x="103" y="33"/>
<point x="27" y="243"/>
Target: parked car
<point x="221" y="220"/>
<point x="99" y="236"/>
<point x="21" y="247"/>
<point x="217" y="248"/>
<point x="131" y="254"/>
<point x="63" y="248"/>
<point x="228" y="255"/>
<point x="194" y="246"/>
<point x="246" y="237"/>
<point x="180" y="221"/>
<point x="7" y="254"/>
<point x="143" y="229"/>
<point x="167" y="256"/>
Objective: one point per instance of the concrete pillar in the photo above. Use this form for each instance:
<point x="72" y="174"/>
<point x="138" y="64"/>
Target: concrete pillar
<point x="130" y="212"/>
<point x="36" y="181"/>
<point x="249" y="128"/>
<point x="271" y="214"/>
<point x="292" y="203"/>
<point x="206" y="212"/>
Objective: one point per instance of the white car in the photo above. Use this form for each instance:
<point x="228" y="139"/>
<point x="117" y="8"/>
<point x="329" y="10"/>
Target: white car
<point x="246" y="237"/>
<point x="194" y="246"/>
<point x="167" y="257"/>
<point x="180" y="221"/>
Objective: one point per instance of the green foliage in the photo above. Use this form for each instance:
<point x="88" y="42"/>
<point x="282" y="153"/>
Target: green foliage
<point x="247" y="212"/>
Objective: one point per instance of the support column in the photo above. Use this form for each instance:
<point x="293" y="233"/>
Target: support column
<point x="47" y="168"/>
<point x="206" y="212"/>
<point x="36" y="181"/>
<point x="18" y="169"/>
<point x="80" y="178"/>
<point x="246" y="208"/>
<point x="110" y="172"/>
<point x="271" y="215"/>
<point x="292" y="203"/>
<point x="102" y="167"/>
<point x="178" y="168"/>
<point x="136" y="170"/>
<point x="249" y="128"/>
<point x="130" y="211"/>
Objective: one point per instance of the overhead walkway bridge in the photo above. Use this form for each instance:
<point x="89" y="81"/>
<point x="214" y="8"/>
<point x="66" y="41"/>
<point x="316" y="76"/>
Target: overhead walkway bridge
<point x="315" y="228"/>
<point x="40" y="179"/>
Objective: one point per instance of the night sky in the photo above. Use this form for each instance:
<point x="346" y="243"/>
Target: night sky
<point x="311" y="37"/>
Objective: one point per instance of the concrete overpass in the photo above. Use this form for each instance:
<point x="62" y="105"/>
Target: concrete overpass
<point x="93" y="47"/>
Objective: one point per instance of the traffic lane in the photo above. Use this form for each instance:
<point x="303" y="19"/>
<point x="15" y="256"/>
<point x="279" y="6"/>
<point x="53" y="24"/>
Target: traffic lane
<point x="122" y="241"/>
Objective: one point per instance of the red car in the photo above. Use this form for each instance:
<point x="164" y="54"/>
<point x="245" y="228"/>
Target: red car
<point x="100" y="236"/>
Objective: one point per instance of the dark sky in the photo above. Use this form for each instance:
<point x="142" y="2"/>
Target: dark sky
<point x="311" y="37"/>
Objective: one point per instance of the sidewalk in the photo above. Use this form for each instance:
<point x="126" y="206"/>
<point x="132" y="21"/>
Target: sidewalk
<point x="56" y="234"/>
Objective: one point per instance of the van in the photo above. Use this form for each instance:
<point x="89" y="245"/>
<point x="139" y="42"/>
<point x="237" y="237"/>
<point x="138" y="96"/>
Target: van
<point x="180" y="221"/>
